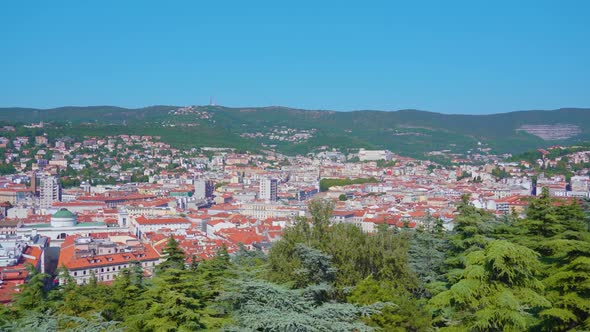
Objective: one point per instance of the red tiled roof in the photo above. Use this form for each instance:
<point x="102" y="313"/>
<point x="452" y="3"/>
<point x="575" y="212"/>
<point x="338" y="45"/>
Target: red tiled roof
<point x="68" y="258"/>
<point x="142" y="220"/>
<point x="77" y="203"/>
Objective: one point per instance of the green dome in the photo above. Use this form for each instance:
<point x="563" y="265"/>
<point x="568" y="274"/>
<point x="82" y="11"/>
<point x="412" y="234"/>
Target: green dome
<point x="64" y="213"/>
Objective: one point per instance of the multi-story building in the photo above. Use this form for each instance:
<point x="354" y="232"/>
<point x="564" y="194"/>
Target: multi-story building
<point x="103" y="257"/>
<point x="15" y="195"/>
<point x="373" y="155"/>
<point x="49" y="191"/>
<point x="141" y="224"/>
<point x="203" y="189"/>
<point x="268" y="189"/>
<point x="16" y="253"/>
<point x="263" y="210"/>
<point x="39" y="140"/>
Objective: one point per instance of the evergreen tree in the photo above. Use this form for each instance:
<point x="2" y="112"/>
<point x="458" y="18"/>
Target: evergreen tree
<point x="401" y="312"/>
<point x="472" y="230"/>
<point x="263" y="306"/>
<point x="34" y="291"/>
<point x="174" y="256"/>
<point x="172" y="303"/>
<point x="498" y="290"/>
<point x="566" y="254"/>
<point x="427" y="254"/>
<point x="316" y="267"/>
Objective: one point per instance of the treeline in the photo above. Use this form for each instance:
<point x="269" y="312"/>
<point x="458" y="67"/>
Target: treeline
<point x="513" y="274"/>
<point x="326" y="184"/>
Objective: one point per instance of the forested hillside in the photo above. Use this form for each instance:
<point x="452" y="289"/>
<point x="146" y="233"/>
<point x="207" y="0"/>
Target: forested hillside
<point x="408" y="132"/>
<point x="512" y="274"/>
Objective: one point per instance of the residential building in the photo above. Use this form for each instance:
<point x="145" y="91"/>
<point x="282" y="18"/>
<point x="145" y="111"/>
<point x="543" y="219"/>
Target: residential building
<point x="103" y="256"/>
<point x="49" y="191"/>
<point x="203" y="189"/>
<point x="374" y="155"/>
<point x="268" y="189"/>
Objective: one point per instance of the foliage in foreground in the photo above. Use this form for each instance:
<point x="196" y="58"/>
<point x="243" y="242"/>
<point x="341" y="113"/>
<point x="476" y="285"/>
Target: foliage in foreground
<point x="531" y="274"/>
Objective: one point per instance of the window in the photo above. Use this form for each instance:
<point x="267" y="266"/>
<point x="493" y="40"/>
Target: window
<point x="75" y="274"/>
<point x="102" y="270"/>
<point x="84" y="272"/>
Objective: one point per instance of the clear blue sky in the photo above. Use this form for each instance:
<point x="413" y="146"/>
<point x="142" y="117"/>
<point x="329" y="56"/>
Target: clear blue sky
<point x="442" y="56"/>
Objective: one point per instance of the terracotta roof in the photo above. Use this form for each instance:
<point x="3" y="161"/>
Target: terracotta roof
<point x="142" y="220"/>
<point x="68" y="258"/>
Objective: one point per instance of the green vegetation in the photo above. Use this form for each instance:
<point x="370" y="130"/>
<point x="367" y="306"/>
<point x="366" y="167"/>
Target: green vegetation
<point x="530" y="274"/>
<point x="326" y="184"/>
<point x="562" y="167"/>
<point x="408" y="132"/>
<point x="500" y="173"/>
<point x="7" y="169"/>
<point x="464" y="175"/>
<point x="384" y="163"/>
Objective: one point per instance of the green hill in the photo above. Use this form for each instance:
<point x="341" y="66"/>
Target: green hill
<point x="409" y="132"/>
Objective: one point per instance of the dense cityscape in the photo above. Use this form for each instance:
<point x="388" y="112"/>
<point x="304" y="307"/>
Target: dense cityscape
<point x="294" y="166"/>
<point x="82" y="211"/>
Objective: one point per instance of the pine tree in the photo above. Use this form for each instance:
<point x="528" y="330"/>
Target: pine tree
<point x="498" y="290"/>
<point x="174" y="256"/>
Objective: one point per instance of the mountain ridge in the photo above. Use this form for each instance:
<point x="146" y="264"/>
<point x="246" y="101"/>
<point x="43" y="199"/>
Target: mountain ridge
<point x="293" y="130"/>
<point x="279" y="107"/>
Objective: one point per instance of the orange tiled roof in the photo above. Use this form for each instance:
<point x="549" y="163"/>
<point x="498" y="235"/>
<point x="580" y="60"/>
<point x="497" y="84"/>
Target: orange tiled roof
<point x="142" y="220"/>
<point x="68" y="258"/>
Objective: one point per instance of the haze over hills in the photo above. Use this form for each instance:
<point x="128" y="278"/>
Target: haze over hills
<point x="409" y="132"/>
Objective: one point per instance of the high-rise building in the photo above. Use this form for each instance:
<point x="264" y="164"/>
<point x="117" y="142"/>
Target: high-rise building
<point x="268" y="189"/>
<point x="203" y="188"/>
<point x="49" y="191"/>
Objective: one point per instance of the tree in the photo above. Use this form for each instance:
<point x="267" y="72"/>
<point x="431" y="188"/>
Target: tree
<point x="342" y="198"/>
<point x="472" y="230"/>
<point x="565" y="250"/>
<point x="355" y="254"/>
<point x="263" y="306"/>
<point x="34" y="292"/>
<point x="7" y="169"/>
<point x="174" y="256"/>
<point x="426" y="257"/>
<point x="321" y="212"/>
<point x="402" y="311"/>
<point x="498" y="290"/>
<point x="173" y="303"/>
<point x="316" y="267"/>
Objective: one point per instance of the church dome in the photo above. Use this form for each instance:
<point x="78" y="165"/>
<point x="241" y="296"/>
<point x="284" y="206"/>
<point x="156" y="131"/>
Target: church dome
<point x="63" y="218"/>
